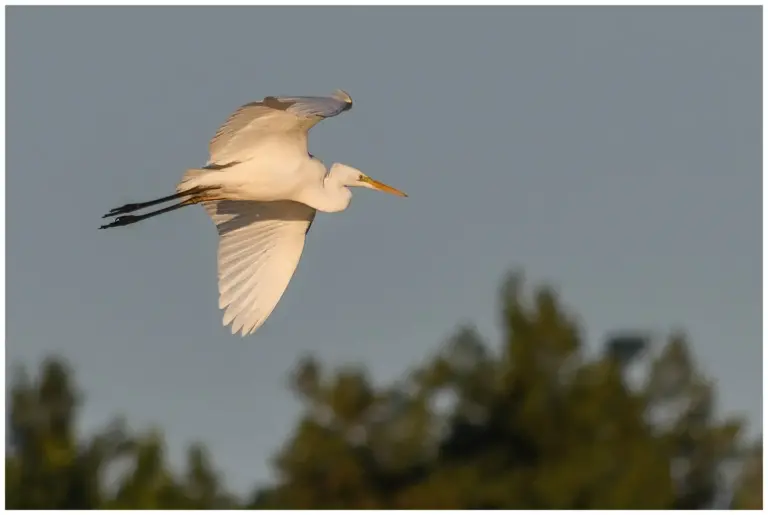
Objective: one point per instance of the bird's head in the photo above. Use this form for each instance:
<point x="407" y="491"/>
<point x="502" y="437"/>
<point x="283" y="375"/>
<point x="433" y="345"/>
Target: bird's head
<point x="352" y="177"/>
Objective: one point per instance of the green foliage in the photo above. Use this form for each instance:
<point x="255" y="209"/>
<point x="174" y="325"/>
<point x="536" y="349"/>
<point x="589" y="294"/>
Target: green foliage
<point x="48" y="467"/>
<point x="534" y="423"/>
<point x="749" y="491"/>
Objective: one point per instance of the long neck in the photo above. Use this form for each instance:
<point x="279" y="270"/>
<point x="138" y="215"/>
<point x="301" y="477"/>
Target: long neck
<point x="327" y="194"/>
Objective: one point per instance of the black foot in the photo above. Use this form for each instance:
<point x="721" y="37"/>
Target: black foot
<point x="122" y="210"/>
<point x="122" y="220"/>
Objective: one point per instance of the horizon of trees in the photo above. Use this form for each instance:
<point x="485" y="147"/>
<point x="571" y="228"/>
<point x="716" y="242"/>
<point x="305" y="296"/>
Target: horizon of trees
<point x="530" y="423"/>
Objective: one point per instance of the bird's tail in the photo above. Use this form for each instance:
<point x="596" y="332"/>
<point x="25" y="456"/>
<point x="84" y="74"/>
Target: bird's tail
<point x="192" y="189"/>
<point x="194" y="179"/>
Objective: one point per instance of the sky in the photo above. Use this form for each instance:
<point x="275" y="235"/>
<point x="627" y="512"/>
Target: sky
<point x="614" y="153"/>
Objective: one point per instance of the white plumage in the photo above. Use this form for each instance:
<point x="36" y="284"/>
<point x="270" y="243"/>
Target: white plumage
<point x="262" y="190"/>
<point x="260" y="244"/>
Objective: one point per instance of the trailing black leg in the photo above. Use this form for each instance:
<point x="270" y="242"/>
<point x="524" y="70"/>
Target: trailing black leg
<point x="132" y="219"/>
<point x="129" y="208"/>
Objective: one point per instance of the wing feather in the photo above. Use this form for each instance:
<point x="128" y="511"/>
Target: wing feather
<point x="260" y="245"/>
<point x="236" y="139"/>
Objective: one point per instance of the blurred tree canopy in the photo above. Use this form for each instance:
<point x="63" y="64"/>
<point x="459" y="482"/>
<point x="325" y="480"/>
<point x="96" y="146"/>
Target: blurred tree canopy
<point x="532" y="423"/>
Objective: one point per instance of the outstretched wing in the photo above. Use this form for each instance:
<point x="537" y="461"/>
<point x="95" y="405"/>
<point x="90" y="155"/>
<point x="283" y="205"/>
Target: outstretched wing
<point x="236" y="138"/>
<point x="260" y="244"/>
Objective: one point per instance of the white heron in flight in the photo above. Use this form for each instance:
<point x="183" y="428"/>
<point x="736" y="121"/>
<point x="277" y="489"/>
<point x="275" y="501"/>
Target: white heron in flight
<point x="262" y="188"/>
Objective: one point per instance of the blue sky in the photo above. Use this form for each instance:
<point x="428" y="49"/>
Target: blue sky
<point x="613" y="152"/>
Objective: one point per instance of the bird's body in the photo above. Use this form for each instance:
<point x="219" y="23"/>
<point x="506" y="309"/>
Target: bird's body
<point x="264" y="178"/>
<point x="262" y="189"/>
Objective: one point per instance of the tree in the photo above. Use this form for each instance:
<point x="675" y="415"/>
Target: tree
<point x="48" y="467"/>
<point x="749" y="487"/>
<point x="536" y="425"/>
<point x="535" y="422"/>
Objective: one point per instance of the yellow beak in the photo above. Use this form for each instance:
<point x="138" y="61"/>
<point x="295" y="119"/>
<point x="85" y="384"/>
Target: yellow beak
<point x="383" y="187"/>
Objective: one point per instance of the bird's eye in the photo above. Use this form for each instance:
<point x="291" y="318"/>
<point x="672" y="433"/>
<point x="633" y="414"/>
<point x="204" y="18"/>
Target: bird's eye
<point x="361" y="177"/>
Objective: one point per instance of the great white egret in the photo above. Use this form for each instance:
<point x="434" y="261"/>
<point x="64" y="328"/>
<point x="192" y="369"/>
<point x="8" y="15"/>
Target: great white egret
<point x="262" y="188"/>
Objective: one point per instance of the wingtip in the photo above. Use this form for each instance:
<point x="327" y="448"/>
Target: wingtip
<point x="342" y="95"/>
